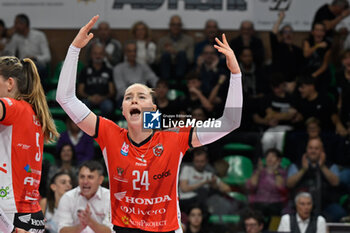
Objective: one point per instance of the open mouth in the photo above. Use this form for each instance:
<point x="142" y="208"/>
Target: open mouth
<point x="135" y="112"/>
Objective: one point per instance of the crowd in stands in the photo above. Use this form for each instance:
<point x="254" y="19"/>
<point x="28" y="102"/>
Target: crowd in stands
<point x="296" y="109"/>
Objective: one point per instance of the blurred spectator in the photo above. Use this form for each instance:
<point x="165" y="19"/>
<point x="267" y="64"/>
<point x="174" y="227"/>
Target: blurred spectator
<point x="209" y="69"/>
<point x="175" y="51"/>
<point x="320" y="180"/>
<point x="113" y="48"/>
<point x="287" y="58"/>
<point x="130" y="71"/>
<point x="83" y="144"/>
<point x="145" y="48"/>
<point x="65" y="162"/>
<point x="96" y="87"/>
<point x="196" y="182"/>
<point x="252" y="221"/>
<point x="59" y="184"/>
<point x="196" y="220"/>
<point x="278" y="114"/>
<point x="247" y="39"/>
<point x="319" y="105"/>
<point x="27" y="42"/>
<point x="3" y="36"/>
<point x="254" y="78"/>
<point x="303" y="221"/>
<point x="296" y="142"/>
<point x="267" y="186"/>
<point x="343" y="86"/>
<point x="211" y="30"/>
<point x="317" y="51"/>
<point x="165" y="106"/>
<point x="194" y="95"/>
<point x="86" y="208"/>
<point x="331" y="15"/>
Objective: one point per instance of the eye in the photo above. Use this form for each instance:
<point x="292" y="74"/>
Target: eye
<point x="142" y="97"/>
<point x="127" y="98"/>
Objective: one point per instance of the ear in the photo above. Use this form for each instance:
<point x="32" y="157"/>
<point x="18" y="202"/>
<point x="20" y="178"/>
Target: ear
<point x="154" y="107"/>
<point x="53" y="187"/>
<point x="100" y="179"/>
<point x="10" y="84"/>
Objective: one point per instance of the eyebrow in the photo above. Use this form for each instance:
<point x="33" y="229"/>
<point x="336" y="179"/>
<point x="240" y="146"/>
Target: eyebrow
<point x="138" y="93"/>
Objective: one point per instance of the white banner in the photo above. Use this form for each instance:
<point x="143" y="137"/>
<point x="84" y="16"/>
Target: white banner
<point x="121" y="14"/>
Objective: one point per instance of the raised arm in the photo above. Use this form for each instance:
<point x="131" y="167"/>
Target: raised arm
<point x="231" y="118"/>
<point x="66" y="97"/>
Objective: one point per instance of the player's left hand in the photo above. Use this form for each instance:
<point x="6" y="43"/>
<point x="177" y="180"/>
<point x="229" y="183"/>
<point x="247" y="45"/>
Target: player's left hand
<point x="231" y="61"/>
<point x="84" y="35"/>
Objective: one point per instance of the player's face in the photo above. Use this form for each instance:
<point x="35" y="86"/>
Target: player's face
<point x="136" y="100"/>
<point x="195" y="217"/>
<point x="62" y="184"/>
<point x="252" y="226"/>
<point x="89" y="182"/>
<point x="304" y="207"/>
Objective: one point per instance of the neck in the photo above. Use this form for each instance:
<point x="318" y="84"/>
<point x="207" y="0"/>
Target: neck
<point x="66" y="164"/>
<point x="347" y="74"/>
<point x="139" y="135"/>
<point x="57" y="199"/>
<point x="97" y="66"/>
<point x="195" y="229"/>
<point x="132" y="63"/>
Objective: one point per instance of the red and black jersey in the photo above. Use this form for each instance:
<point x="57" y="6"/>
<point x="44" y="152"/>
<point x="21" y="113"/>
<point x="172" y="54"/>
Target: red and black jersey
<point x="143" y="177"/>
<point x="21" y="150"/>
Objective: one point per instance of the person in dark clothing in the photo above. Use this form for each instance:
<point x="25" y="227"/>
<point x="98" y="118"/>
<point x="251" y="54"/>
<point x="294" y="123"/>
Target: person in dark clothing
<point x="319" y="105"/>
<point x="331" y="15"/>
<point x="96" y="86"/>
<point x="165" y="106"/>
<point x="252" y="221"/>
<point x="287" y="58"/>
<point x="247" y="38"/>
<point x="319" y="179"/>
<point x="317" y="51"/>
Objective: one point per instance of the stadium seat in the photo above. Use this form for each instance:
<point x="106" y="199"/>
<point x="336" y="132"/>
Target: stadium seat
<point x="60" y="125"/>
<point x="49" y="157"/>
<point x="224" y="219"/>
<point x="238" y="196"/>
<point x="234" y="147"/>
<point x="240" y="169"/>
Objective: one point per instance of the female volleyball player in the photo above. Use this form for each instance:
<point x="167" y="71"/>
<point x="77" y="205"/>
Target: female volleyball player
<point x="143" y="165"/>
<point x="25" y="123"/>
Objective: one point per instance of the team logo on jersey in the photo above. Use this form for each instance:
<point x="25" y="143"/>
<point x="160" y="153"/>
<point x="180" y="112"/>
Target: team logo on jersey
<point x="4" y="191"/>
<point x="8" y="101"/>
<point x="125" y="149"/>
<point x="25" y="218"/>
<point x="119" y="175"/>
<point x="151" y="120"/>
<point x="3" y="168"/>
<point x="125" y="220"/>
<point x="158" y="150"/>
<point x="119" y="196"/>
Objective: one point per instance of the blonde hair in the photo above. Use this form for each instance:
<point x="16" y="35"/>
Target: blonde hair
<point x="30" y="89"/>
<point x="149" y="90"/>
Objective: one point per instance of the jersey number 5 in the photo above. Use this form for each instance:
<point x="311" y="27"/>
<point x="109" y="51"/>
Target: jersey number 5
<point x="140" y="180"/>
<point x="38" y="154"/>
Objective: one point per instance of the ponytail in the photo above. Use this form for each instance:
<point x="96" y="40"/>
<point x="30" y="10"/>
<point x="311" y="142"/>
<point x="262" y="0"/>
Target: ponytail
<point x="32" y="91"/>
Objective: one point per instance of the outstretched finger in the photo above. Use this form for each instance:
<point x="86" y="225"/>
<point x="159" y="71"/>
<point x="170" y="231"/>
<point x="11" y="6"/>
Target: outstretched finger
<point x="224" y="40"/>
<point x="219" y="42"/>
<point x="91" y="23"/>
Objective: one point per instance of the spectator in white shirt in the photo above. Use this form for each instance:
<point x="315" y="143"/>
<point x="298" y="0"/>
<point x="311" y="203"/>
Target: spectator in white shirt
<point x="29" y="43"/>
<point x="86" y="208"/>
<point x="302" y="221"/>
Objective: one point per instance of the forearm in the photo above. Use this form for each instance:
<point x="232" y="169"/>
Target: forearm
<point x="294" y="179"/>
<point x="231" y="118"/>
<point x="277" y="25"/>
<point x="330" y="176"/>
<point x="205" y="102"/>
<point x="73" y="229"/>
<point x="189" y="188"/>
<point x="98" y="228"/>
<point x="65" y="96"/>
